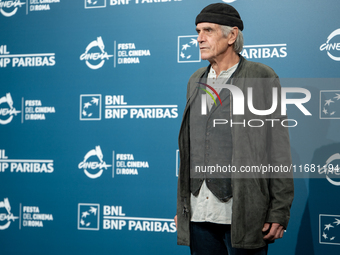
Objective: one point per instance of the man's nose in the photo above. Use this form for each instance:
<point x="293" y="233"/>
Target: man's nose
<point x="200" y="38"/>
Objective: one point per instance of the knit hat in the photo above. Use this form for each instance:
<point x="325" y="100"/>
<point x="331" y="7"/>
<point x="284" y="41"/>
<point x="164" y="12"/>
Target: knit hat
<point x="222" y="14"/>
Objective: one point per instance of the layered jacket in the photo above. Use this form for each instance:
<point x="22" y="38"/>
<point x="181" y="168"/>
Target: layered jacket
<point x="257" y="197"/>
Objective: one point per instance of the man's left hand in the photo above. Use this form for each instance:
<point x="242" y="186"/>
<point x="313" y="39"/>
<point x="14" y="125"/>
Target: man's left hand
<point x="275" y="231"/>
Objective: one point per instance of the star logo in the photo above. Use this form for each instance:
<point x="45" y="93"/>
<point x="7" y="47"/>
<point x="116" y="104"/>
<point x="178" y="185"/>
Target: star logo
<point x="188" y="50"/>
<point x="88" y="216"/>
<point x="329" y="229"/>
<point x="90" y="107"/>
<point x="330" y="104"/>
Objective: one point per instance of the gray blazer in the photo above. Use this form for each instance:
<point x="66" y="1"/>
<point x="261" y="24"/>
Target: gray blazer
<point x="257" y="198"/>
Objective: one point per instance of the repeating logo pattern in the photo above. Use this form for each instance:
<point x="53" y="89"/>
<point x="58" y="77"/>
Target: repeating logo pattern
<point x="6" y="216"/>
<point x="329" y="229"/>
<point x="90" y="107"/>
<point x="330" y="104"/>
<point x="88" y="216"/>
<point x="332" y="45"/>
<point x="89" y="4"/>
<point x="188" y="49"/>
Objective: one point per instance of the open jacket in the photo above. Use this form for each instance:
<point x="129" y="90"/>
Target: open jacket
<point x="256" y="199"/>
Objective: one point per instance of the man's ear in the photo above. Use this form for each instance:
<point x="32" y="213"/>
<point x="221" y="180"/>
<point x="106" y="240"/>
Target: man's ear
<point x="233" y="35"/>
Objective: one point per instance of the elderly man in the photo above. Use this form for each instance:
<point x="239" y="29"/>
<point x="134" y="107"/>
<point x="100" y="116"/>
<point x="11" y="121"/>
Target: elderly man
<point x="230" y="211"/>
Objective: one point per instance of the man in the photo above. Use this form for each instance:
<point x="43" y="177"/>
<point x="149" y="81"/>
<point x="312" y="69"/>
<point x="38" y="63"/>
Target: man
<point x="231" y="212"/>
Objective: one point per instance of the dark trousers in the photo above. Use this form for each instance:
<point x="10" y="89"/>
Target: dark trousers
<point x="215" y="239"/>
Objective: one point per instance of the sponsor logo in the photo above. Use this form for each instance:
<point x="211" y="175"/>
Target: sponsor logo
<point x="116" y="107"/>
<point x="90" y="107"/>
<point x="113" y="218"/>
<point x="24" y="165"/>
<point x="187" y="49"/>
<point x="41" y="5"/>
<point x="96" y="58"/>
<point x="330" y="104"/>
<point x="6" y="217"/>
<point x="88" y="216"/>
<point x="91" y="166"/>
<point x="332" y="45"/>
<point x="89" y="4"/>
<point x="264" y="51"/>
<point x="25" y="60"/>
<point x="31" y="110"/>
<point x="127" y="165"/>
<point x="329" y="229"/>
<point x="35" y="110"/>
<point x="127" y="53"/>
<point x="331" y="169"/>
<point x="122" y="164"/>
<point x="9" y="8"/>
<point x="33" y="217"/>
<point x="7" y="113"/>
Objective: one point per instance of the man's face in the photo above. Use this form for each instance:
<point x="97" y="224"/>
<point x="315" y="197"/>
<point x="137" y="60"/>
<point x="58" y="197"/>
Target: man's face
<point x="211" y="40"/>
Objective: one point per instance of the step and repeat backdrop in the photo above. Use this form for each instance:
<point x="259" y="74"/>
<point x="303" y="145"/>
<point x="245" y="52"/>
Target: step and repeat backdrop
<point x="91" y="99"/>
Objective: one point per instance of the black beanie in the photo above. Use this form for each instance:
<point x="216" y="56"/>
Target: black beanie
<point x="222" y="14"/>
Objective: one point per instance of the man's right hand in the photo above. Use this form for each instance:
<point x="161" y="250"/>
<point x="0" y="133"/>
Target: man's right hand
<point x="175" y="219"/>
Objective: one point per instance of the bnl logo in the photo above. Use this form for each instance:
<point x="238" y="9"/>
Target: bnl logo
<point x="238" y="99"/>
<point x="89" y="4"/>
<point x="88" y="216"/>
<point x="330" y="104"/>
<point x="188" y="49"/>
<point x="329" y="229"/>
<point x="90" y="107"/>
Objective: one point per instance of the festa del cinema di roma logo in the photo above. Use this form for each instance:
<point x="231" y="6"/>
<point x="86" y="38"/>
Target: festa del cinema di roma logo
<point x="91" y="166"/>
<point x="95" y="60"/>
<point x="238" y="103"/>
<point x="7" y="113"/>
<point x="331" y="46"/>
<point x="6" y="217"/>
<point x="9" y="8"/>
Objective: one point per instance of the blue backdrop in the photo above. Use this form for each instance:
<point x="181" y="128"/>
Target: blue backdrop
<point x="91" y="99"/>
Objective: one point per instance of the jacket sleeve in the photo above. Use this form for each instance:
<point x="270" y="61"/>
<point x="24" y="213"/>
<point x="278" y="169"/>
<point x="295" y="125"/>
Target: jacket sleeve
<point x="280" y="184"/>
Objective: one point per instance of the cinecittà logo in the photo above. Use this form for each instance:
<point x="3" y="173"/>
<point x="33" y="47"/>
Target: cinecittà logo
<point x="331" y="46"/>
